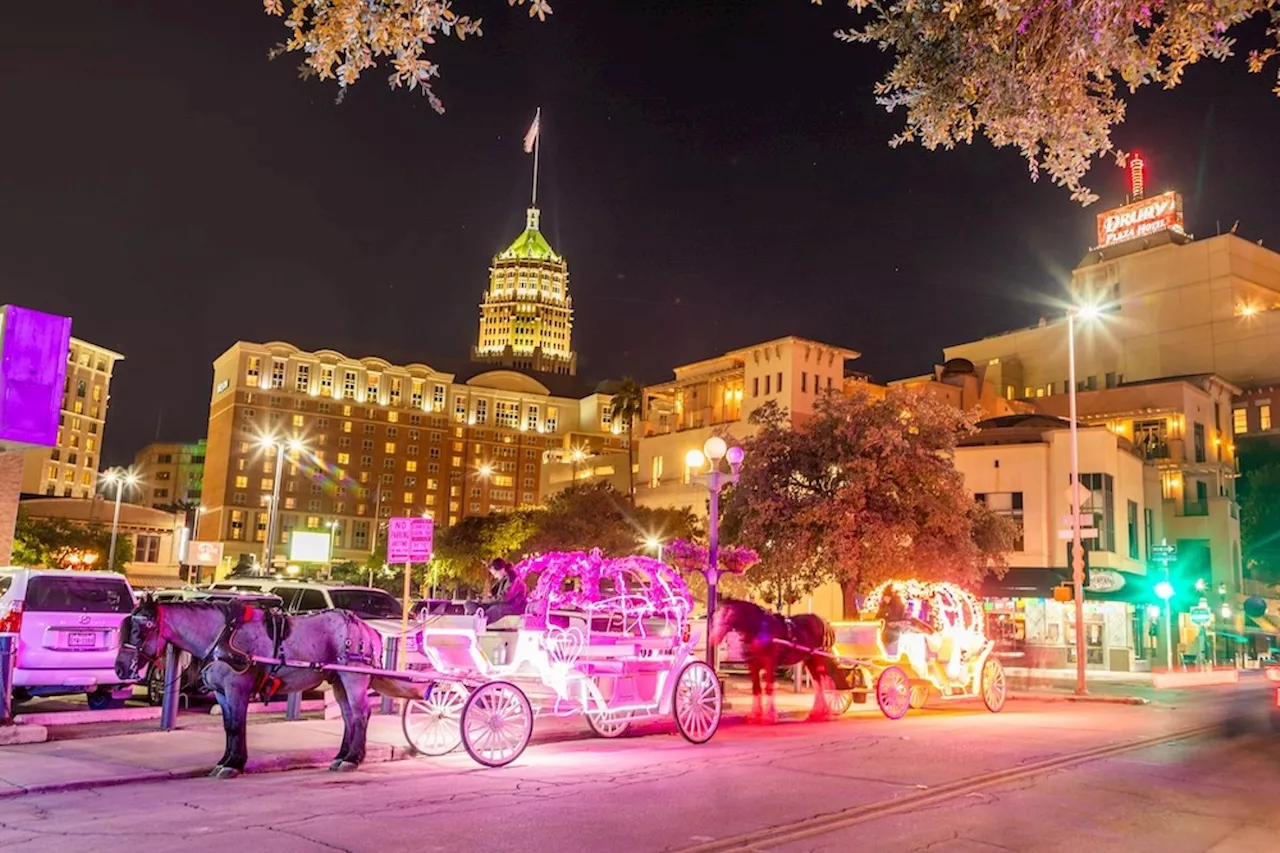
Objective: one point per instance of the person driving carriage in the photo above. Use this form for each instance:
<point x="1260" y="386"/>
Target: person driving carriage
<point x="508" y="596"/>
<point x="893" y="612"/>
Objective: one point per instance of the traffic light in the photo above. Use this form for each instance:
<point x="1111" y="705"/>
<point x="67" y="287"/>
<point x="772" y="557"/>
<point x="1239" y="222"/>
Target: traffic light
<point x="1071" y="562"/>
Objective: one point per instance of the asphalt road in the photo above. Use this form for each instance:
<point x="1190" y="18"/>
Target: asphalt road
<point x="951" y="780"/>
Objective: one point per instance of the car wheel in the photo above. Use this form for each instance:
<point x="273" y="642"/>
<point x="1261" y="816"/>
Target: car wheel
<point x="155" y="685"/>
<point x="102" y="700"/>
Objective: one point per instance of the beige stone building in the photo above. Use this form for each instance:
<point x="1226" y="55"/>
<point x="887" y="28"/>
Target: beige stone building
<point x="155" y="536"/>
<point x="1174" y="307"/>
<point x="379" y="440"/>
<point x="70" y="468"/>
<point x="716" y="397"/>
<point x="170" y="473"/>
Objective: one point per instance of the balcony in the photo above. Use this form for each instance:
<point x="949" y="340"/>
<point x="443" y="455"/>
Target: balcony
<point x="1194" y="506"/>
<point x="1153" y="449"/>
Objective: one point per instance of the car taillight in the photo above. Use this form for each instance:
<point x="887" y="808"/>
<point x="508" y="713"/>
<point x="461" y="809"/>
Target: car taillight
<point x="11" y="618"/>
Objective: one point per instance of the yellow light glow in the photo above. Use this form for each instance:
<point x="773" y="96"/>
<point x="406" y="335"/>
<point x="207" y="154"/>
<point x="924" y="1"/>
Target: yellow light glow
<point x="1246" y="309"/>
<point x="485" y="470"/>
<point x="694" y="459"/>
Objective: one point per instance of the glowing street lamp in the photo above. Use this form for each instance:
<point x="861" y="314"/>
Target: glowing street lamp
<point x="654" y="544"/>
<point x="119" y="477"/>
<point x="273" y="516"/>
<point x="1086" y="312"/>
<point x="713" y="450"/>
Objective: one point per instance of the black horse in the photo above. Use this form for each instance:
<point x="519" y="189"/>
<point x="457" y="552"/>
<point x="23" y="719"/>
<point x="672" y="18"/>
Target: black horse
<point x="771" y="640"/>
<point x="233" y="641"/>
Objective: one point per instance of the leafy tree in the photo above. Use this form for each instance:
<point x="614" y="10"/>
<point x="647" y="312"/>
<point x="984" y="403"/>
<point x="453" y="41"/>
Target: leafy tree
<point x="1258" y="491"/>
<point x="1040" y="75"/>
<point x="594" y="515"/>
<point x="628" y="407"/>
<point x="56" y="542"/>
<point x="863" y="491"/>
<point x="340" y="39"/>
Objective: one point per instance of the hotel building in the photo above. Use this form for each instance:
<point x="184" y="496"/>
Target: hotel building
<point x="170" y="473"/>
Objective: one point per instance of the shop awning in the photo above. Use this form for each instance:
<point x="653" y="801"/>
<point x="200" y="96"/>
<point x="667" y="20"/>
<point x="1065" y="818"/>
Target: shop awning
<point x="1260" y="625"/>
<point x="1040" y="582"/>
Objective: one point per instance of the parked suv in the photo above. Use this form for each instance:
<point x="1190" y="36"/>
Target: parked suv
<point x="378" y="608"/>
<point x="68" y="629"/>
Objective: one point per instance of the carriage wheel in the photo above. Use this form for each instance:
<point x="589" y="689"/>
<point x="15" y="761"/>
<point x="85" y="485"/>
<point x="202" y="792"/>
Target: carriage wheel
<point x="609" y="723"/>
<point x="993" y="686"/>
<point x="893" y="692"/>
<point x="698" y="702"/>
<point x="433" y="726"/>
<point x="839" y="701"/>
<point x="497" y="723"/>
<point x="919" y="695"/>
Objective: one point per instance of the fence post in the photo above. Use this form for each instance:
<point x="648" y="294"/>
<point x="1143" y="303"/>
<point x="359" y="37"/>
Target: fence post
<point x="390" y="654"/>
<point x="172" y="689"/>
<point x="8" y="658"/>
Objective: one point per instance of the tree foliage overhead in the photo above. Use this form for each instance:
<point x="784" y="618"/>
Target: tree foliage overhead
<point x="54" y="542"/>
<point x="1258" y="491"/>
<point x="1046" y="76"/>
<point x="341" y="39"/>
<point x="863" y="491"/>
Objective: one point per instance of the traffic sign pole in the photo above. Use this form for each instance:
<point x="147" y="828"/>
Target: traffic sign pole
<point x="409" y="540"/>
<point x="1164" y="553"/>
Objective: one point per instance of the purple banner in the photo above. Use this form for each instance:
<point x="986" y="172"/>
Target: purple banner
<point x="33" y="368"/>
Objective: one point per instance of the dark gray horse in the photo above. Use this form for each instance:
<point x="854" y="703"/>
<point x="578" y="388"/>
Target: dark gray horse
<point x="229" y="639"/>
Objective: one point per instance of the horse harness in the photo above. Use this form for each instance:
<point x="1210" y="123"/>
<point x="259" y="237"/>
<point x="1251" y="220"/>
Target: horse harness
<point x="225" y="650"/>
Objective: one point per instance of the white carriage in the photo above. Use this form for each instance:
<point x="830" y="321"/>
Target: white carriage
<point x="609" y="639"/>
<point x="950" y="659"/>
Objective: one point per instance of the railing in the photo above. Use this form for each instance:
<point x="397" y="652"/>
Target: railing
<point x="1193" y="506"/>
<point x="1154" y="449"/>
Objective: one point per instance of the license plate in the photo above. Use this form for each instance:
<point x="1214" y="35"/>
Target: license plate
<point x="82" y="640"/>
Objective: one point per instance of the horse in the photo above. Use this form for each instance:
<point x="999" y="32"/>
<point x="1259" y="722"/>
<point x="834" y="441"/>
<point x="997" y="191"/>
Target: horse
<point x="772" y="640"/>
<point x="231" y="640"/>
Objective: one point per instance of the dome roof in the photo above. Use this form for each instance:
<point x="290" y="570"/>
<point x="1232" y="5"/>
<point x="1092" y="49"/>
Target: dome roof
<point x="531" y="245"/>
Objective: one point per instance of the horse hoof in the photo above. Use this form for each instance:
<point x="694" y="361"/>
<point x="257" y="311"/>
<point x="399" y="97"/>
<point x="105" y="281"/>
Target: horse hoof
<point x="343" y="766"/>
<point x="221" y="772"/>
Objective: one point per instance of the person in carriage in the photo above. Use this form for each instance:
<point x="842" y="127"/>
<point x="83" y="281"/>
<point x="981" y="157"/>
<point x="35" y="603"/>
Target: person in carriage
<point x="900" y="623"/>
<point x="508" y="596"/>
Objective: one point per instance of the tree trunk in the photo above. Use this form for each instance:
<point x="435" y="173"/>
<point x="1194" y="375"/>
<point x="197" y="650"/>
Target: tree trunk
<point x="631" y="467"/>
<point x="848" y="591"/>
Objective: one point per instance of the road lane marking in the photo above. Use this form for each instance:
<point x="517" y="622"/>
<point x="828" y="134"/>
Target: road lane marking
<point x="775" y="836"/>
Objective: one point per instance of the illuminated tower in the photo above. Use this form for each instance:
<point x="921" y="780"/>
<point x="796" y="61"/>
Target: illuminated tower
<point x="1137" y="177"/>
<point x="526" y="316"/>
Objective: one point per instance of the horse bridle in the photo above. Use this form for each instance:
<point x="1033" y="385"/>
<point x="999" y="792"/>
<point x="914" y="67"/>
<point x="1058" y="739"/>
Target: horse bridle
<point x="150" y="625"/>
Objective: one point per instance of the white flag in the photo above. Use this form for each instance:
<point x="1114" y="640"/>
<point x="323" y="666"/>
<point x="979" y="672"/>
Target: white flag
<point x="532" y="136"/>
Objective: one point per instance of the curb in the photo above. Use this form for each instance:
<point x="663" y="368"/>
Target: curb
<point x="378" y="754"/>
<point x="15" y="735"/>
<point x="75" y="718"/>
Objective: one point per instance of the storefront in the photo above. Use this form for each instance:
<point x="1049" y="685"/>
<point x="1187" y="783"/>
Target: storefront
<point x="1032" y="629"/>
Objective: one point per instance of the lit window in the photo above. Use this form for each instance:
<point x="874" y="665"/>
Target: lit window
<point x="389" y="447"/>
<point x="242" y="482"/>
<point x="298" y="420"/>
<point x="1264" y="417"/>
<point x="344" y="458"/>
<point x="408" y="497"/>
<point x="1239" y="420"/>
<point x="411" y="465"/>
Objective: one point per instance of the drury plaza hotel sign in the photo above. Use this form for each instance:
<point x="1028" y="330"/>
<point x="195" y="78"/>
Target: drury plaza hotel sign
<point x="1142" y="218"/>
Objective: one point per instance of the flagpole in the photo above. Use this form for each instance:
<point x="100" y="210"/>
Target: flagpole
<point x="537" y="143"/>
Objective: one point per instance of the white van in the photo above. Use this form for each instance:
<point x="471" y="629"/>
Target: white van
<point x="68" y="629"/>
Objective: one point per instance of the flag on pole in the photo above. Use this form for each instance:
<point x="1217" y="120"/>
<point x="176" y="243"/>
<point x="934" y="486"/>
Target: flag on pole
<point x="532" y="136"/>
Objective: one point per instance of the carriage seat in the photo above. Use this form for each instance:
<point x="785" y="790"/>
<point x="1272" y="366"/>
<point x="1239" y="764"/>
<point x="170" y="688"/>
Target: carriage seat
<point x="859" y="640"/>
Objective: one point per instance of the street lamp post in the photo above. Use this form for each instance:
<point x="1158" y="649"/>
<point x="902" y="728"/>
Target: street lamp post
<point x="273" y="514"/>
<point x="120" y="477"/>
<point x="1077" y="548"/>
<point x="654" y="544"/>
<point x="1164" y="591"/>
<point x="713" y="450"/>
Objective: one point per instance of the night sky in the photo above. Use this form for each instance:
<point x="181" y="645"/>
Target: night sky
<point x="715" y="172"/>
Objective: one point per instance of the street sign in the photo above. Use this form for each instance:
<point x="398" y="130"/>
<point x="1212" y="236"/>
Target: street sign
<point x="1067" y="534"/>
<point x="204" y="553"/>
<point x="409" y="540"/>
<point x="1201" y="616"/>
<point x="1076" y="491"/>
<point x="1164" y="552"/>
<point x="1084" y="519"/>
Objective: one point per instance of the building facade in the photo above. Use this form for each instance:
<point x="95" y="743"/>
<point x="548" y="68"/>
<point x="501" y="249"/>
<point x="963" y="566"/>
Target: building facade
<point x="375" y="440"/>
<point x="70" y="468"/>
<point x="155" y="536"/>
<point x="717" y="397"/>
<point x="171" y="473"/>
<point x="526" y="316"/>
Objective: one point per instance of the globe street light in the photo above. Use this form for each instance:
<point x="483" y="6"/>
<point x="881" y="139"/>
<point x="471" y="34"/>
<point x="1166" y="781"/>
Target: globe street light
<point x="714" y="450"/>
<point x="654" y="544"/>
<point x="120" y="477"/>
<point x="273" y="515"/>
